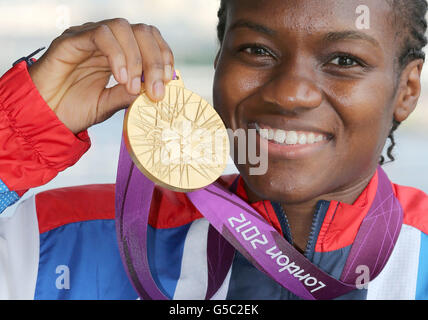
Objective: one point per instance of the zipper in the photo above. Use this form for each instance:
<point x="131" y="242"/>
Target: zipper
<point x="310" y="245"/>
<point x="315" y="226"/>
<point x="283" y="221"/>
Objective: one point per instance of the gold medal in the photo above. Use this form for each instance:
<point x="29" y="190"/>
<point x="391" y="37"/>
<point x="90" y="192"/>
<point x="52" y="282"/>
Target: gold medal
<point x="179" y="143"/>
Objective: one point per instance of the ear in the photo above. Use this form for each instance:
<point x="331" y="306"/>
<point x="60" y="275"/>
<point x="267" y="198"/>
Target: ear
<point x="409" y="90"/>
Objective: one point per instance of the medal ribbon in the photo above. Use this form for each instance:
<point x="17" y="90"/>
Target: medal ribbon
<point x="252" y="236"/>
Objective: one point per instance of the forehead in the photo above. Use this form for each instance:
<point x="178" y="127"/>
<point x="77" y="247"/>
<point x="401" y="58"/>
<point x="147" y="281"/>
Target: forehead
<point x="317" y="16"/>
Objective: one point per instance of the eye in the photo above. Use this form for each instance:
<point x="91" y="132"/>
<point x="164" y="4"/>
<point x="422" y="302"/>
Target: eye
<point x="345" y="61"/>
<point x="256" y="50"/>
<point x="256" y="55"/>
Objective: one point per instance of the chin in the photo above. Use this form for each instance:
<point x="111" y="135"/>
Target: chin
<point x="280" y="186"/>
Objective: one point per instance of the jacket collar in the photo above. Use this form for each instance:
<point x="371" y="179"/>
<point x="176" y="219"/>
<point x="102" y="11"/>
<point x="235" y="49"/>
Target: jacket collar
<point x="340" y="223"/>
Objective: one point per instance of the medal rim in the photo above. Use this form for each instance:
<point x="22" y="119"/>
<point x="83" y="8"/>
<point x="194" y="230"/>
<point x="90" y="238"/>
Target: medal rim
<point x="147" y="173"/>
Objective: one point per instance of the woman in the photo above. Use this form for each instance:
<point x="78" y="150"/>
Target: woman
<point x="329" y="94"/>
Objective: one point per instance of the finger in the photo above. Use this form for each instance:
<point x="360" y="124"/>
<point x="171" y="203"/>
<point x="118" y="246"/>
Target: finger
<point x="83" y="27"/>
<point x="153" y="62"/>
<point x="112" y="100"/>
<point x="124" y="34"/>
<point x="100" y="38"/>
<point x="167" y="55"/>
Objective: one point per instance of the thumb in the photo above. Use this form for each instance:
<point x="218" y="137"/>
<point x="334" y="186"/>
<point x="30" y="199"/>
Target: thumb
<point x="112" y="100"/>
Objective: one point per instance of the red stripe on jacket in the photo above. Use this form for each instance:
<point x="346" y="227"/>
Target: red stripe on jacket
<point x="171" y="209"/>
<point x="168" y="209"/>
<point x="415" y="206"/>
<point x="58" y="207"/>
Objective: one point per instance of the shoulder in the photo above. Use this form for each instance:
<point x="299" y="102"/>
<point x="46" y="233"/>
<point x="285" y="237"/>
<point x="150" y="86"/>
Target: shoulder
<point x="415" y="206"/>
<point x="62" y="206"/>
<point x="78" y="251"/>
<point x="67" y="205"/>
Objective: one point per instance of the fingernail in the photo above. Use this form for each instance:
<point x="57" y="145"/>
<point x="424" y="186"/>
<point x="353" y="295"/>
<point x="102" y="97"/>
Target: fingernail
<point x="136" y="85"/>
<point x="123" y="75"/>
<point x="168" y="72"/>
<point x="158" y="89"/>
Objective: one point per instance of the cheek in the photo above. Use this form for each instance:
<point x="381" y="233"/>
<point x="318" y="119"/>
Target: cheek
<point x="232" y="85"/>
<point x="366" y="113"/>
<point x="222" y="98"/>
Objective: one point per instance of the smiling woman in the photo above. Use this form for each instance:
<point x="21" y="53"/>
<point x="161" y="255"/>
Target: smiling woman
<point x="321" y="95"/>
<point x="314" y="71"/>
<point x="411" y="18"/>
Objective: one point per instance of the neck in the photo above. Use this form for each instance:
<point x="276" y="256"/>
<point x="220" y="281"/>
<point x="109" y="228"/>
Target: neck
<point x="300" y="215"/>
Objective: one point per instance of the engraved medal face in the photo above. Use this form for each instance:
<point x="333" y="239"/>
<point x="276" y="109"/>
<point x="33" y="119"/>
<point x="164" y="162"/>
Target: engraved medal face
<point x="179" y="143"/>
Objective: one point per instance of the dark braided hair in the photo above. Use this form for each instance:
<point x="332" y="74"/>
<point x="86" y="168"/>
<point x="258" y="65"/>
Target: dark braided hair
<point x="412" y="26"/>
<point x="411" y="29"/>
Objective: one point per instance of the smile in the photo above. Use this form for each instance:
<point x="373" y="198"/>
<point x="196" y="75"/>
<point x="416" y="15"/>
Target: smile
<point x="298" y="142"/>
<point x="284" y="137"/>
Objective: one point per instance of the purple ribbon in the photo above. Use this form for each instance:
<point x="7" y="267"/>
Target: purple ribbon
<point x="252" y="236"/>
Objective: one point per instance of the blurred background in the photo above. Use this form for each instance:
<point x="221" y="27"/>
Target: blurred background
<point x="189" y="26"/>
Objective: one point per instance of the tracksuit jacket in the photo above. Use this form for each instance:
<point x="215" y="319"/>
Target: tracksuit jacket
<point x="61" y="243"/>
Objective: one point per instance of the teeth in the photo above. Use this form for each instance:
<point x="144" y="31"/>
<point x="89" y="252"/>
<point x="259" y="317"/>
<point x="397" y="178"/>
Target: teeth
<point x="264" y="133"/>
<point x="311" y="138"/>
<point x="319" y="138"/>
<point x="280" y="136"/>
<point x="292" y="137"/>
<point x="289" y="137"/>
<point x="302" y="138"/>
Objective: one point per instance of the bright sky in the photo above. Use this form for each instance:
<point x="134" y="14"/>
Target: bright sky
<point x="48" y="17"/>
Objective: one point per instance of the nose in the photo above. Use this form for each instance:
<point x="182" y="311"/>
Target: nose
<point x="292" y="92"/>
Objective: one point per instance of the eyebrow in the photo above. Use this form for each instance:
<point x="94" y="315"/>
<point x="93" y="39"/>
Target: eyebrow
<point x="253" y="26"/>
<point x="329" y="37"/>
<point x="350" y="35"/>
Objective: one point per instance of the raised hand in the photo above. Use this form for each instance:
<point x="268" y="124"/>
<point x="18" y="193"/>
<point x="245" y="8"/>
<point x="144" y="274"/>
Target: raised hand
<point x="73" y="74"/>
